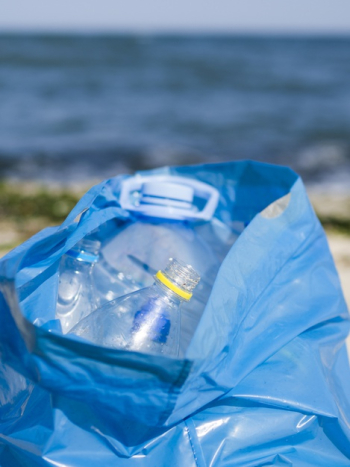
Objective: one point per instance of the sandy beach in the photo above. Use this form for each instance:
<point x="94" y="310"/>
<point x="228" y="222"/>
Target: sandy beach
<point x="334" y="213"/>
<point x="22" y="215"/>
<point x="340" y="248"/>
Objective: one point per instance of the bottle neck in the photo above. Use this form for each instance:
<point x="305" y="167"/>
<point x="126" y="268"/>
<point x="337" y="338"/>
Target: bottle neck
<point x="167" y="294"/>
<point x="84" y="254"/>
<point x="78" y="264"/>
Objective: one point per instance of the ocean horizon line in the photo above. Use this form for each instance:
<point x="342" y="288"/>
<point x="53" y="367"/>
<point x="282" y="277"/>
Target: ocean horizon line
<point x="176" y="33"/>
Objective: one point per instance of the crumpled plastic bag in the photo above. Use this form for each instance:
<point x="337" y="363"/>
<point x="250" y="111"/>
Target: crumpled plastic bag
<point x="265" y="379"/>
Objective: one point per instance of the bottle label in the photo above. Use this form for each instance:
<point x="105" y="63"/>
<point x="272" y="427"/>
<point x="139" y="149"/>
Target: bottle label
<point x="153" y="324"/>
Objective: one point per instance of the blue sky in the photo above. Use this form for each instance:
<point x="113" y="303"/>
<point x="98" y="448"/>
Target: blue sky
<point x="305" y="16"/>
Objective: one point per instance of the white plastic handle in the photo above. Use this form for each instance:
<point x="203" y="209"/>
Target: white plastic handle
<point x="168" y="197"/>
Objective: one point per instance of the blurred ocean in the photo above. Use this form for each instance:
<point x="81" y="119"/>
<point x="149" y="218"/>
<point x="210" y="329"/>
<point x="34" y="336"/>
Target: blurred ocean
<point x="78" y="107"/>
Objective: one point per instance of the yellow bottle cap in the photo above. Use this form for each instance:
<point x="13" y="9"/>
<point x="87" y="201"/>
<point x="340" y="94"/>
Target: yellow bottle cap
<point x="182" y="293"/>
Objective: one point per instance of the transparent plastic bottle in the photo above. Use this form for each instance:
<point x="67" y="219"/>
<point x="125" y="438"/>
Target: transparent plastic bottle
<point x="86" y="282"/>
<point x="146" y="321"/>
<point x="147" y="243"/>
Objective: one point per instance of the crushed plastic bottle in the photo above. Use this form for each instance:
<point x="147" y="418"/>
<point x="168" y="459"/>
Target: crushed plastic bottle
<point x="146" y="321"/>
<point x="86" y="282"/>
<point x="148" y="243"/>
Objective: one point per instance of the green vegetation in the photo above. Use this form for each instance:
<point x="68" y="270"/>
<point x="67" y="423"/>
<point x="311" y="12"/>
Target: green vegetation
<point x="21" y="205"/>
<point x="26" y="209"/>
<point x="335" y="224"/>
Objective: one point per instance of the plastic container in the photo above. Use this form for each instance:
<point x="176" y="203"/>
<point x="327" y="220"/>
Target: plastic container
<point x="86" y="282"/>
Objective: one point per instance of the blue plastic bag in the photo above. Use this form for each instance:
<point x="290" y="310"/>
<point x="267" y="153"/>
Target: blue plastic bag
<point x="266" y="377"/>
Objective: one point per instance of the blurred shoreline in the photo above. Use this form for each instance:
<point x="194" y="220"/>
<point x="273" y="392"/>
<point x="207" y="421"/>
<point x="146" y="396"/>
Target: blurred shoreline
<point x="95" y="105"/>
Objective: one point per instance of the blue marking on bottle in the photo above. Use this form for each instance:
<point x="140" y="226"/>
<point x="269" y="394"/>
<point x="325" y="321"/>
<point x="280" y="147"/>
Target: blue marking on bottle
<point x="160" y="327"/>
